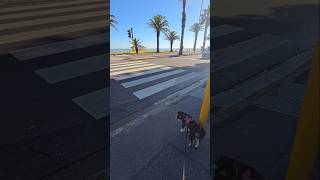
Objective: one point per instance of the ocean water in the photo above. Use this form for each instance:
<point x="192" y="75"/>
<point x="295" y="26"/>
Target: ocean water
<point x="120" y="50"/>
<point x="153" y="49"/>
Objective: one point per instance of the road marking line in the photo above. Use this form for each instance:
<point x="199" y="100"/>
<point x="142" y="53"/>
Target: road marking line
<point x="131" y="67"/>
<point x="224" y="30"/>
<point x="120" y="62"/>
<point x="58" y="47"/>
<point x="73" y="69"/>
<point x="191" y="58"/>
<point x="48" y="12"/>
<point x="118" y="78"/>
<point x="151" y="78"/>
<point x="22" y="24"/>
<point x="146" y="92"/>
<point x="12" y="38"/>
<point x="94" y="103"/>
<point x="127" y="64"/>
<point x="247" y="49"/>
<point x="47" y="5"/>
<point x="135" y="70"/>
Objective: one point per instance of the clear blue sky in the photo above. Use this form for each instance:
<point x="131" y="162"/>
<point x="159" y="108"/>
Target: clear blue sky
<point x="136" y="14"/>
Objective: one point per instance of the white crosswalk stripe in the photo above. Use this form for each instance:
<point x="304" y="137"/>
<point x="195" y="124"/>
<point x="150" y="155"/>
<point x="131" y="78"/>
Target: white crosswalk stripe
<point x="41" y="13"/>
<point x="125" y="65"/>
<point x="95" y="103"/>
<point x="34" y="22"/>
<point x="47" y="5"/>
<point x="135" y="70"/>
<point x="131" y="67"/>
<point x="73" y="69"/>
<point x="118" y="78"/>
<point x="146" y="92"/>
<point x="59" y="47"/>
<point x="12" y="38"/>
<point x="224" y="30"/>
<point x="151" y="78"/>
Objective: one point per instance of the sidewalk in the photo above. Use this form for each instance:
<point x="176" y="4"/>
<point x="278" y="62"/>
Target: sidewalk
<point x="150" y="56"/>
<point x="155" y="149"/>
<point x="262" y="135"/>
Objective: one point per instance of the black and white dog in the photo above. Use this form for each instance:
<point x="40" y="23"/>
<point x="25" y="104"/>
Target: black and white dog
<point x="196" y="133"/>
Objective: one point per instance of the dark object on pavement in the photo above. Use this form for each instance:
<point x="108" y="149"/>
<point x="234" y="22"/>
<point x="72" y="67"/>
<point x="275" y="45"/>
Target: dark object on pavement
<point x="230" y="169"/>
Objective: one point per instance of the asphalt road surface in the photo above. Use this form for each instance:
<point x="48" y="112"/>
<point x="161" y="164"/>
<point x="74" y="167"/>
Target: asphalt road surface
<point x="53" y="55"/>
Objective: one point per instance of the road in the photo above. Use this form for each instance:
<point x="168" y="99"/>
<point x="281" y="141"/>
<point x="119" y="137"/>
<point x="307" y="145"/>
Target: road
<point x="259" y="75"/>
<point x="46" y="130"/>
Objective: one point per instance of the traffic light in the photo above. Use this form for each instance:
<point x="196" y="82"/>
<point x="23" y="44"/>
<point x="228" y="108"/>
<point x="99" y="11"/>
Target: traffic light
<point x="129" y="34"/>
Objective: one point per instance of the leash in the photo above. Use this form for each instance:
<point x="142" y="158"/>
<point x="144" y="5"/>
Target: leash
<point x="185" y="151"/>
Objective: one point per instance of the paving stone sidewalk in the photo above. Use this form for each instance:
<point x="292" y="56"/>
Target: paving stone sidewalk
<point x="155" y="149"/>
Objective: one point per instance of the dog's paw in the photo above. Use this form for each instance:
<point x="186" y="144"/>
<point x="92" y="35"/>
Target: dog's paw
<point x="197" y="143"/>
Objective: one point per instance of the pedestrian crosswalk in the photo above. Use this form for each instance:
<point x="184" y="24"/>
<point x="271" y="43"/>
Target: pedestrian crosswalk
<point x="65" y="27"/>
<point x="137" y="74"/>
<point x="51" y="19"/>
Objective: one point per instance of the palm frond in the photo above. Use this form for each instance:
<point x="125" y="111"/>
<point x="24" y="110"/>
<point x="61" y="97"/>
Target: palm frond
<point x="196" y="27"/>
<point x="159" y="23"/>
<point x="113" y="21"/>
<point x="205" y="17"/>
<point x="172" y="36"/>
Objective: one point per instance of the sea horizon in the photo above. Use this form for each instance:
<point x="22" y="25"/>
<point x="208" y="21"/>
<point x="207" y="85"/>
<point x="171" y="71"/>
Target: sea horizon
<point x="148" y="49"/>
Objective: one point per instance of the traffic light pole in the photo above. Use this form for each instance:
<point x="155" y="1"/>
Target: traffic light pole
<point x="205" y="108"/>
<point x="306" y="144"/>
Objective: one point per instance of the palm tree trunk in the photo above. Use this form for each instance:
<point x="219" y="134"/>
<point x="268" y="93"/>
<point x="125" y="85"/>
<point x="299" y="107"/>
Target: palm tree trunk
<point x="158" y="34"/>
<point x="195" y="42"/>
<point x="183" y="25"/>
<point x="204" y="37"/>
<point x="171" y="46"/>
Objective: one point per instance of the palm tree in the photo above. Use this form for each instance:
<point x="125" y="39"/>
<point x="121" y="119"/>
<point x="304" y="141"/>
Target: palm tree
<point x="136" y="43"/>
<point x="205" y="20"/>
<point x="172" y="36"/>
<point x="183" y="22"/>
<point x="112" y="21"/>
<point x="196" y="27"/>
<point x="159" y="24"/>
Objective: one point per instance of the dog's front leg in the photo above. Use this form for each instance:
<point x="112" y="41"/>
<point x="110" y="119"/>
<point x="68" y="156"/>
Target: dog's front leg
<point x="183" y="126"/>
<point x="191" y="138"/>
<point x="197" y="141"/>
